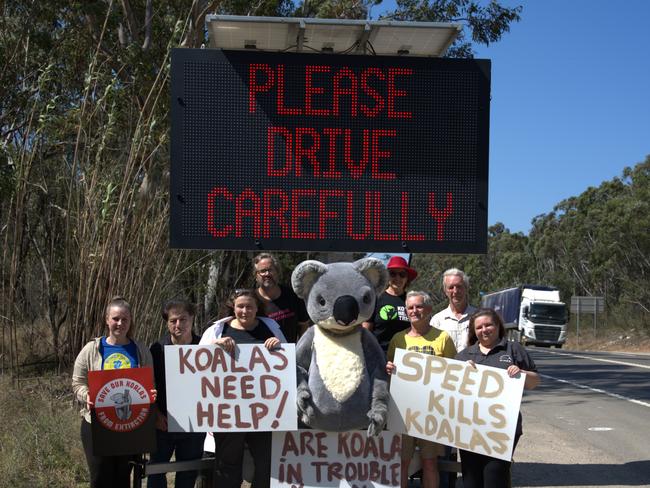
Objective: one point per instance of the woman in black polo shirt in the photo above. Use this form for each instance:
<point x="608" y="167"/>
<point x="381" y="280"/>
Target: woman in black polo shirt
<point x="487" y="345"/>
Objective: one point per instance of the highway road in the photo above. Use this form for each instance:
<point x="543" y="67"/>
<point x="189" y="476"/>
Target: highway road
<point x="588" y="423"/>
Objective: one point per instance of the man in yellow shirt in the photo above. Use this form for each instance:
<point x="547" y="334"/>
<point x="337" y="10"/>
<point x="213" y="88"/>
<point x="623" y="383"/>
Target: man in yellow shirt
<point x="423" y="338"/>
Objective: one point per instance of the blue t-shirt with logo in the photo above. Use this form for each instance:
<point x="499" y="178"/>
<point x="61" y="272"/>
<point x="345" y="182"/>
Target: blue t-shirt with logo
<point x="118" y="356"/>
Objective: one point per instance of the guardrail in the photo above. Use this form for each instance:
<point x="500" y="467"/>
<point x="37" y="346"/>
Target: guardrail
<point x="206" y="467"/>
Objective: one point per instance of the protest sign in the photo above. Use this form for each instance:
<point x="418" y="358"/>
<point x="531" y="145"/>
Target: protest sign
<point x="313" y="458"/>
<point x="122" y="420"/>
<point x="210" y="390"/>
<point x="449" y="402"/>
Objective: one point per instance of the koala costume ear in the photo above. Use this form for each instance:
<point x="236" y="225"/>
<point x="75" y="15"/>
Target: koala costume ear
<point x="375" y="271"/>
<point x="305" y="275"/>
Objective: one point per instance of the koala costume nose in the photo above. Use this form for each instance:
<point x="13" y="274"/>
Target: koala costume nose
<point x="346" y="309"/>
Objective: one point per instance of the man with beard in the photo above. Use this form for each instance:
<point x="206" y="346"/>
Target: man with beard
<point x="280" y="302"/>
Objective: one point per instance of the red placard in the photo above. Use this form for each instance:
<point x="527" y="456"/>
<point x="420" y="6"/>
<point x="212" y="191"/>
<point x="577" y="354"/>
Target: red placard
<point x="122" y="418"/>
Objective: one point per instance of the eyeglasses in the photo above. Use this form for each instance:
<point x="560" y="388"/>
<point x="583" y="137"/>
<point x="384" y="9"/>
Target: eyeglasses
<point x="401" y="274"/>
<point x="264" y="271"/>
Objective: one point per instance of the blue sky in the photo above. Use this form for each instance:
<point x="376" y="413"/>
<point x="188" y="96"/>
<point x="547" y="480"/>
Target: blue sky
<point x="570" y="102"/>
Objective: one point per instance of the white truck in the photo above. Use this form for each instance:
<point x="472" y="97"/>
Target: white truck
<point x="532" y="314"/>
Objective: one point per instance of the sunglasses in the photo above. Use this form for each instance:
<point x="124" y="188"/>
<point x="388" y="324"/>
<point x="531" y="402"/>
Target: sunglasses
<point x="240" y="292"/>
<point x="401" y="274"/>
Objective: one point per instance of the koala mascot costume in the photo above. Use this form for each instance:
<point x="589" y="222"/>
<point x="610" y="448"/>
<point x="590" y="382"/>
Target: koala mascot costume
<point x="342" y="381"/>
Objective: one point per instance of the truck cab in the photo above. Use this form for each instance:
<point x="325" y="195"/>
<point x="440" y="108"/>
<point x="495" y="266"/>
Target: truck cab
<point x="543" y="317"/>
<point x="532" y="314"/>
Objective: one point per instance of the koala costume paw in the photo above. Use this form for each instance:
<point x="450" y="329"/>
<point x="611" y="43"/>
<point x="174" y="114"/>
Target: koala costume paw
<point x="305" y="405"/>
<point x="376" y="424"/>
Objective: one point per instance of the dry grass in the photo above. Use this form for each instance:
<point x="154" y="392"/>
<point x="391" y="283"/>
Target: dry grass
<point x="39" y="441"/>
<point x="610" y="341"/>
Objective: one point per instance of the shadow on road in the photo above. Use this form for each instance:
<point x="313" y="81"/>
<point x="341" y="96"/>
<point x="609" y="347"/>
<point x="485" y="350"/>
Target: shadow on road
<point x="635" y="473"/>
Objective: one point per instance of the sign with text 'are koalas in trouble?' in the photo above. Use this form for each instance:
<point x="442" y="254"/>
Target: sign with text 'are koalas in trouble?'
<point x="210" y="390"/>
<point x="313" y="458"/>
<point x="452" y="403"/>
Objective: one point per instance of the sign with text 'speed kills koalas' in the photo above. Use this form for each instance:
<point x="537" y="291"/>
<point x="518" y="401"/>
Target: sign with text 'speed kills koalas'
<point x="317" y="152"/>
<point x="451" y="402"/>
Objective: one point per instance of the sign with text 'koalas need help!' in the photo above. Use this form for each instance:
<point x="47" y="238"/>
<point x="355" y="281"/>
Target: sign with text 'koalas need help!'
<point x="210" y="390"/>
<point x="452" y="403"/>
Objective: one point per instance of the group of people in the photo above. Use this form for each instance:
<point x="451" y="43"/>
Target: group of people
<point x="271" y="314"/>
<point x="465" y="333"/>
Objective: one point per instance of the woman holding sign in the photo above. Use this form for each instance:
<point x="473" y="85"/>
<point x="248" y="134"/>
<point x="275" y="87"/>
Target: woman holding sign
<point x="487" y="345"/>
<point x="242" y="326"/>
<point x="116" y="350"/>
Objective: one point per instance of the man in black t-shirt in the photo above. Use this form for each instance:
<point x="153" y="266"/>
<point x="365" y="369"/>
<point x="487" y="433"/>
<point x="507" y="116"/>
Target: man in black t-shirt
<point x="280" y="302"/>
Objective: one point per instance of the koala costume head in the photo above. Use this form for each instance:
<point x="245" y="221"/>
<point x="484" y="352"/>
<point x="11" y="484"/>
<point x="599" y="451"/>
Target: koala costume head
<point x="340" y="296"/>
<point x="341" y="369"/>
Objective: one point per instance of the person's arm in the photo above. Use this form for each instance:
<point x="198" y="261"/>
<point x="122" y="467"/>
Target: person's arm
<point x="158" y="356"/>
<point x="531" y="377"/>
<point x="532" y="380"/>
<point x="274" y="327"/>
<point x="524" y="364"/>
<point x="146" y="360"/>
<point x="80" y="375"/>
<point x="368" y="325"/>
<point x="227" y="343"/>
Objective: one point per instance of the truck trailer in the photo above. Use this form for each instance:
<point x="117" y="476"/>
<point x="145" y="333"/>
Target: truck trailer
<point x="532" y="314"/>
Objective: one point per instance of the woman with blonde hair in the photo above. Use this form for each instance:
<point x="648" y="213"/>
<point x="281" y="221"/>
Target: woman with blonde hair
<point x="115" y="350"/>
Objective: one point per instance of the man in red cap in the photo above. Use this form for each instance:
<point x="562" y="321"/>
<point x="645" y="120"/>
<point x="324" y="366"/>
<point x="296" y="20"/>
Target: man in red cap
<point x="390" y="310"/>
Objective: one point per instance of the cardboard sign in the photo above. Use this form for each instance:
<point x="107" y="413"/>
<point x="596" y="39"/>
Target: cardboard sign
<point x="209" y="390"/>
<point x="313" y="458"/>
<point x="122" y="420"/>
<point x="449" y="402"/>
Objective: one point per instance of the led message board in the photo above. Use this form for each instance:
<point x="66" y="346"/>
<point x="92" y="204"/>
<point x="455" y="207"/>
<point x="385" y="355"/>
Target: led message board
<point x="328" y="152"/>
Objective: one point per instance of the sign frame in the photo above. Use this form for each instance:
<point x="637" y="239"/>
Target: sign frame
<point x="398" y="230"/>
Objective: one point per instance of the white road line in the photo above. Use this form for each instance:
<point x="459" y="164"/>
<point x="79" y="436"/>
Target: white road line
<point x="597" y="390"/>
<point x="623" y="363"/>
